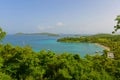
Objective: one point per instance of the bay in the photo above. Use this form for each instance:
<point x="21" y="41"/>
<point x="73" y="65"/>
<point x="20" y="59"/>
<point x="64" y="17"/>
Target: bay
<point x="40" y="42"/>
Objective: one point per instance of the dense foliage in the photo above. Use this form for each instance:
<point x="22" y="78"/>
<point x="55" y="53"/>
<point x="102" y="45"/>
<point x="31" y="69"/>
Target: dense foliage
<point x="117" y="26"/>
<point x="18" y="63"/>
<point x="2" y="34"/>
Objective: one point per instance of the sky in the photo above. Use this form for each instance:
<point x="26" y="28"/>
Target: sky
<point x="59" y="16"/>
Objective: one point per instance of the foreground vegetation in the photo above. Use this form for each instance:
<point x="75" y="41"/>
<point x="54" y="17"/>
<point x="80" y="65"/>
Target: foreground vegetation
<point x="18" y="63"/>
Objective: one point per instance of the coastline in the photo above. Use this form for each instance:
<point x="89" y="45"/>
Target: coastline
<point x="105" y="47"/>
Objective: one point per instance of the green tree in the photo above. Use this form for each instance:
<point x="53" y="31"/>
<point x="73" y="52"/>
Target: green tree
<point x="2" y="34"/>
<point x="117" y="26"/>
<point x="3" y="76"/>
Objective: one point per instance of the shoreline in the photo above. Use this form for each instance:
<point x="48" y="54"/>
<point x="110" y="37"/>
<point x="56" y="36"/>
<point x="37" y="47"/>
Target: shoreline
<point x="105" y="47"/>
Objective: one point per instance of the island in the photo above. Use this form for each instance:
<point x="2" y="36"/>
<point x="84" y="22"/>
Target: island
<point x="45" y="33"/>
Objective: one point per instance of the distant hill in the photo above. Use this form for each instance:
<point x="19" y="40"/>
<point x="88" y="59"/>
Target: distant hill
<point x="102" y="35"/>
<point x="48" y="34"/>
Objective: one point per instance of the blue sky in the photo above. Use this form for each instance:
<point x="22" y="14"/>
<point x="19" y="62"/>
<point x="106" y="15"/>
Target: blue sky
<point x="59" y="16"/>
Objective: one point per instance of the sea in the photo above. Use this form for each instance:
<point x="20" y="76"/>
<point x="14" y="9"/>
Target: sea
<point x="44" y="42"/>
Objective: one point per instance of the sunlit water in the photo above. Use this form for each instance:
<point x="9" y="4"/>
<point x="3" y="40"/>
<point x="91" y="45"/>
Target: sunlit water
<point x="38" y="43"/>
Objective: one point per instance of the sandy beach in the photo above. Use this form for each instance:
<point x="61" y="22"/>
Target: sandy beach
<point x="105" y="47"/>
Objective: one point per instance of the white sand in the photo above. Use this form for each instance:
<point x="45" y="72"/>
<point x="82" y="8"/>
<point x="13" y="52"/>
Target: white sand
<point x="105" y="47"/>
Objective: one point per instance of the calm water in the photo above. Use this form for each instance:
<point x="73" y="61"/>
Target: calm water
<point x="38" y="43"/>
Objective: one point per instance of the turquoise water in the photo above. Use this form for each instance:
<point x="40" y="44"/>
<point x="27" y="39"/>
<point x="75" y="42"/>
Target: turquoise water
<point x="49" y="43"/>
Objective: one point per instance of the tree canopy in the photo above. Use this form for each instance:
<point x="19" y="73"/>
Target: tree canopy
<point x="2" y="34"/>
<point x="117" y="26"/>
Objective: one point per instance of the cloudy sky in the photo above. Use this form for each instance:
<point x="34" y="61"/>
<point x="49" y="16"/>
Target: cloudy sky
<point x="59" y="16"/>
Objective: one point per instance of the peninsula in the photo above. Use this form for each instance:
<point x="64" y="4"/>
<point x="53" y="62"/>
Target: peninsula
<point x="102" y="40"/>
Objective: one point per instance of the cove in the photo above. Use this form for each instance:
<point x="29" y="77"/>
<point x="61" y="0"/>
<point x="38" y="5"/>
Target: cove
<point x="38" y="43"/>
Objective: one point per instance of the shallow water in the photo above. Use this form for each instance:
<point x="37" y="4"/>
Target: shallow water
<point x="38" y="42"/>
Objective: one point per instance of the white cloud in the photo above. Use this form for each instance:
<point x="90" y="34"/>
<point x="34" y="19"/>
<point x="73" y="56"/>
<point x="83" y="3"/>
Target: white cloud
<point x="57" y="27"/>
<point x="42" y="28"/>
<point x="51" y="26"/>
<point x="60" y="24"/>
